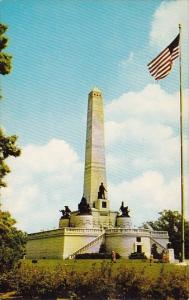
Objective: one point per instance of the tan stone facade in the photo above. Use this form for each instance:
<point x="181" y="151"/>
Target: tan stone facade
<point x="95" y="169"/>
<point x="67" y="242"/>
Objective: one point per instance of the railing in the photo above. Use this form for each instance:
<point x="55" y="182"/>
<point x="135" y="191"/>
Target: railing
<point x="77" y="230"/>
<point x="159" y="234"/>
<point x="87" y="246"/>
<point x="127" y="230"/>
<point x="158" y="244"/>
<point x="62" y="231"/>
<point x="82" y="230"/>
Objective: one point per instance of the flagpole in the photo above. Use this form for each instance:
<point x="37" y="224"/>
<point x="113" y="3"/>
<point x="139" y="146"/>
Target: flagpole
<point x="181" y="156"/>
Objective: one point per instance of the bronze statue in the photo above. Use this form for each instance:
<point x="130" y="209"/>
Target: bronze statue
<point x="84" y="207"/>
<point x="65" y="212"/>
<point x="124" y="209"/>
<point x="101" y="192"/>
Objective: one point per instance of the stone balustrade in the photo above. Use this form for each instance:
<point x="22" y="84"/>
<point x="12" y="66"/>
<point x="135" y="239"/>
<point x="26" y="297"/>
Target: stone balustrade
<point x="64" y="231"/>
<point x="158" y="234"/>
<point x="127" y="230"/>
<point x="83" y="230"/>
<point x="97" y="231"/>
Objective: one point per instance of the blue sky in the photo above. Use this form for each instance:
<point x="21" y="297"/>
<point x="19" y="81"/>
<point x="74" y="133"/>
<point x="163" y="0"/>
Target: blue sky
<point x="61" y="49"/>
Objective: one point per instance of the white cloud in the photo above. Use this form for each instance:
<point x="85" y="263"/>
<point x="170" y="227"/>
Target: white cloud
<point x="146" y="195"/>
<point x="166" y="19"/>
<point x="43" y="180"/>
<point x="142" y="135"/>
<point x="138" y="130"/>
<point x="125" y="62"/>
<point x="146" y="124"/>
<point x="152" y="103"/>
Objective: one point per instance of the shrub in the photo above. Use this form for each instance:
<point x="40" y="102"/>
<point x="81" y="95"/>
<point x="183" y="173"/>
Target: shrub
<point x="136" y="255"/>
<point x="155" y="253"/>
<point x="95" y="256"/>
<point x="38" y="282"/>
<point x="172" y="284"/>
<point x="5" y="282"/>
<point x="103" y="248"/>
<point x="97" y="283"/>
<point x="131" y="283"/>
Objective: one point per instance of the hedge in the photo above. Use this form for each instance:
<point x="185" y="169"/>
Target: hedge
<point x="98" y="283"/>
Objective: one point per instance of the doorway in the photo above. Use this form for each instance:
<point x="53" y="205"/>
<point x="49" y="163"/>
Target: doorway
<point x="139" y="248"/>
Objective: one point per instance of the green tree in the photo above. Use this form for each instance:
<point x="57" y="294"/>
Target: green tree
<point x="7" y="148"/>
<point x="12" y="240"/>
<point x="171" y="221"/>
<point x="5" y="59"/>
<point x="7" y="143"/>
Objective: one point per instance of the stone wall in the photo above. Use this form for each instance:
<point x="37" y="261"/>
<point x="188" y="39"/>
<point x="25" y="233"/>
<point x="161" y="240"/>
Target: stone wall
<point x="124" y="241"/>
<point x="45" y="245"/>
<point x="59" y="243"/>
<point x="104" y="219"/>
<point x="62" y="243"/>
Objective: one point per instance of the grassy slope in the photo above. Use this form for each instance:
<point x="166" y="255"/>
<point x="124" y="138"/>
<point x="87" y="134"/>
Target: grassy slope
<point x="86" y="265"/>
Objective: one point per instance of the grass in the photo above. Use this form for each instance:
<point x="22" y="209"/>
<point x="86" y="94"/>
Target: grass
<point x="84" y="265"/>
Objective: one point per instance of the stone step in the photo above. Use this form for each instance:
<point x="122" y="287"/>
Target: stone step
<point x="87" y="246"/>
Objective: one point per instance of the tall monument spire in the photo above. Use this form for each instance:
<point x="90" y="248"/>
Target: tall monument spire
<point x="95" y="169"/>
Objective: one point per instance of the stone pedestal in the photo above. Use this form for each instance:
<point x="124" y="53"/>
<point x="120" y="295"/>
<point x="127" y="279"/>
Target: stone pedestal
<point x="171" y="256"/>
<point x="102" y="204"/>
<point x="83" y="221"/>
<point x="124" y="222"/>
<point x="64" y="222"/>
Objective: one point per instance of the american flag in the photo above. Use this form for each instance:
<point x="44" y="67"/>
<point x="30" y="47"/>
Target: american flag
<point x="160" y="66"/>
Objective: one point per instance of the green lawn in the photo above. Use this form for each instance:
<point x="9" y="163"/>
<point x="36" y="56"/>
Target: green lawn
<point x="84" y="265"/>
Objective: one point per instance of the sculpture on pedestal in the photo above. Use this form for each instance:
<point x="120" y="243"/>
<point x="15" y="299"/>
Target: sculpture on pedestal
<point x="124" y="209"/>
<point x="84" y="207"/>
<point x="65" y="212"/>
<point x="101" y="192"/>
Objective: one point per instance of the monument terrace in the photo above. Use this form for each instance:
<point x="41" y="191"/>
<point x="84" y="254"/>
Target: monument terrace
<point x="94" y="223"/>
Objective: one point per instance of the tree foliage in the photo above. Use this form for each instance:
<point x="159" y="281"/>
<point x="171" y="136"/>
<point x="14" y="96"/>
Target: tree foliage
<point x="171" y="221"/>
<point x="5" y="59"/>
<point x="12" y="242"/>
<point x="7" y="143"/>
<point x="8" y="148"/>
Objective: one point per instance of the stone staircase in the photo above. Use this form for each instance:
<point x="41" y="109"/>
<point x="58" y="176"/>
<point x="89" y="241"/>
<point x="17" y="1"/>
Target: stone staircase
<point x="160" y="246"/>
<point x="89" y="245"/>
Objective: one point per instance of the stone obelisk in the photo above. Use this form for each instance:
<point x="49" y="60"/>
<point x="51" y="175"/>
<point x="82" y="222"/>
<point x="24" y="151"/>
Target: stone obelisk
<point x="95" y="169"/>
